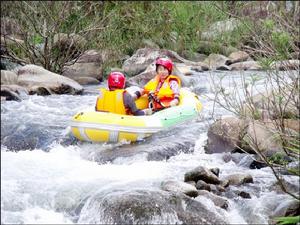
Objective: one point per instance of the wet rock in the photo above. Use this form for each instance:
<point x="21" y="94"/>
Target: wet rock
<point x="224" y="135"/>
<point x="263" y="137"/>
<point x="145" y="207"/>
<point x="217" y="200"/>
<point x="178" y="186"/>
<point x="216" y="171"/>
<point x="192" y="183"/>
<point x="223" y="67"/>
<point x="86" y="80"/>
<point x="238" y="56"/>
<point x="152" y="152"/>
<point x="244" y="194"/>
<point x="239" y="179"/>
<point x="32" y="75"/>
<point x="287" y="208"/>
<point x="89" y="64"/>
<point x="215" y="61"/>
<point x="8" y="77"/>
<point x="247" y="65"/>
<point x="201" y="173"/>
<point x="224" y="183"/>
<point x="201" y="185"/>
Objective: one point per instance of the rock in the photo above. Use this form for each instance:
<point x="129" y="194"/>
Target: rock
<point x="201" y="173"/>
<point x="201" y="68"/>
<point x="86" y="80"/>
<point x="191" y="182"/>
<point x="244" y="194"/>
<point x="215" y="61"/>
<point x="8" y="77"/>
<point x="286" y="65"/>
<point x="13" y="92"/>
<point x="247" y="65"/>
<point x="193" y="56"/>
<point x="89" y="64"/>
<point x="216" y="171"/>
<point x="145" y="207"/>
<point x="238" y="56"/>
<point x="224" y="135"/>
<point x="186" y="70"/>
<point x="39" y="90"/>
<point x="239" y="179"/>
<point x="139" y="61"/>
<point x="224" y="183"/>
<point x="178" y="186"/>
<point x="262" y="137"/>
<point x="223" y="67"/>
<point x="32" y="75"/>
<point x="201" y="185"/>
<point x="287" y="208"/>
<point x="217" y="200"/>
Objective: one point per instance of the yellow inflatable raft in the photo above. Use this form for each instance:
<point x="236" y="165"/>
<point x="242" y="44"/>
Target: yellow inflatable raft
<point x="93" y="126"/>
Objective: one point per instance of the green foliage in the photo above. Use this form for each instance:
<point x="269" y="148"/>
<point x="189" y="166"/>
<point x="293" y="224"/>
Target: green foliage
<point x="288" y="220"/>
<point x="278" y="158"/>
<point x="282" y="43"/>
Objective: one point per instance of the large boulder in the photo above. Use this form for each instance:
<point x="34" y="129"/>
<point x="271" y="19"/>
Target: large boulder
<point x="8" y="77"/>
<point x="262" y="137"/>
<point x="13" y="92"/>
<point x="89" y="64"/>
<point x="216" y="60"/>
<point x="247" y="65"/>
<point x="179" y="186"/>
<point x="239" y="56"/>
<point x="146" y="207"/>
<point x="201" y="173"/>
<point x="32" y="75"/>
<point x="224" y="135"/>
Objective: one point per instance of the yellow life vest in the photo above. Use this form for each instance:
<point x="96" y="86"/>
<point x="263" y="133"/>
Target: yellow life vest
<point x="165" y="94"/>
<point x="111" y="101"/>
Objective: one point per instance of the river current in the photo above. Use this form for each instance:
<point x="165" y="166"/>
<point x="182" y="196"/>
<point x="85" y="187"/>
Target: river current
<point x="46" y="173"/>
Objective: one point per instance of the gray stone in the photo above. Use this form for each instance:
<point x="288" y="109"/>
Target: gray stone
<point x="217" y="200"/>
<point x="201" y="173"/>
<point x="179" y="186"/>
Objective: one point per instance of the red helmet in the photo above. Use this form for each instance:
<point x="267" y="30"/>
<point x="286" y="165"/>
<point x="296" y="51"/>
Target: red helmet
<point x="116" y="80"/>
<point x="167" y="63"/>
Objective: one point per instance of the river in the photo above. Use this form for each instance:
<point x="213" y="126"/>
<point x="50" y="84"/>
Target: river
<point x="46" y="174"/>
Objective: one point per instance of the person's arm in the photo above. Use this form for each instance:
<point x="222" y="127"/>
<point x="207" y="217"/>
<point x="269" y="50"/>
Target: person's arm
<point x="130" y="104"/>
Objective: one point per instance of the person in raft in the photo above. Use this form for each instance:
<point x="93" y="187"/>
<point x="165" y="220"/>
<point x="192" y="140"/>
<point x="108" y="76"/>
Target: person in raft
<point x="116" y="99"/>
<point x="164" y="89"/>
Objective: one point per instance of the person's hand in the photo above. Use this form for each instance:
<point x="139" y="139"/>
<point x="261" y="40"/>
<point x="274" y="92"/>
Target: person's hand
<point x="174" y="102"/>
<point x="148" y="111"/>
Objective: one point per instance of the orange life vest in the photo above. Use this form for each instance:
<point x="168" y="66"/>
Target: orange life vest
<point x="165" y="94"/>
<point x="111" y="101"/>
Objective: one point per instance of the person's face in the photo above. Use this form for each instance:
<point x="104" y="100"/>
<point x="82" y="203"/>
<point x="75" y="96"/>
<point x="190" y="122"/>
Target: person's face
<point x="162" y="71"/>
